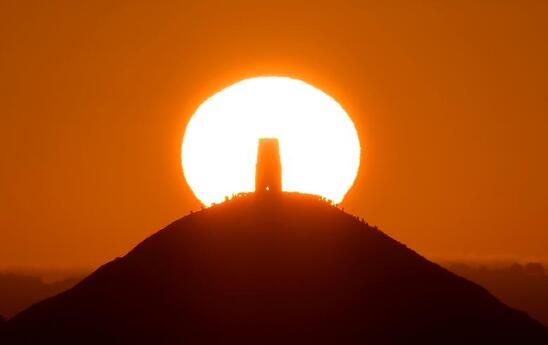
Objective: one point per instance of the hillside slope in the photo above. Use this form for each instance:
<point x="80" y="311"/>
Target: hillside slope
<point x="271" y="270"/>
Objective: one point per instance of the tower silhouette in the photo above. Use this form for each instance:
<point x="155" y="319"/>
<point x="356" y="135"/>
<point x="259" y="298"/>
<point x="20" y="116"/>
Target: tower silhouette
<point x="268" y="172"/>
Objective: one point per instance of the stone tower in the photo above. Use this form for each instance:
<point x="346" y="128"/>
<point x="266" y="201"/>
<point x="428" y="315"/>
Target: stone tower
<point x="268" y="172"/>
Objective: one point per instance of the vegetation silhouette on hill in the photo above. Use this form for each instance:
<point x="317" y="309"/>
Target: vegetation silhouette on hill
<point x="273" y="268"/>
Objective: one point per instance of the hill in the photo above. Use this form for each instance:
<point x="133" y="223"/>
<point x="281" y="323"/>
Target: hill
<point x="19" y="291"/>
<point x="524" y="286"/>
<point x="273" y="269"/>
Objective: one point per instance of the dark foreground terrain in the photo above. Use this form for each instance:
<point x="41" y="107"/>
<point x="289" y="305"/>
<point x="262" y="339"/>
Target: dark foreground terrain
<point x="521" y="286"/>
<point x="20" y="291"/>
<point x="272" y="269"/>
<point x="524" y="286"/>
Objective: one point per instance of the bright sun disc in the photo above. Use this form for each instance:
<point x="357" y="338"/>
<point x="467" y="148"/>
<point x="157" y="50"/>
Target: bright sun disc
<point x="319" y="145"/>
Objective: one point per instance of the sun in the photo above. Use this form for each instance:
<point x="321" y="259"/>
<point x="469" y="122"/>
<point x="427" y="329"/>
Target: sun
<point x="319" y="145"/>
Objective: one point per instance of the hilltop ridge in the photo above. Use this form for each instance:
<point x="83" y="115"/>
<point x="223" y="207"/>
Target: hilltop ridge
<point x="273" y="268"/>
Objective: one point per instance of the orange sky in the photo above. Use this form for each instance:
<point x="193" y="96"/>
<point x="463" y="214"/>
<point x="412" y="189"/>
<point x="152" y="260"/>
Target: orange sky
<point x="450" y="100"/>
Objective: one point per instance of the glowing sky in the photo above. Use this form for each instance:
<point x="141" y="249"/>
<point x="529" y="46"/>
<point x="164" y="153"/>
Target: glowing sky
<point x="319" y="146"/>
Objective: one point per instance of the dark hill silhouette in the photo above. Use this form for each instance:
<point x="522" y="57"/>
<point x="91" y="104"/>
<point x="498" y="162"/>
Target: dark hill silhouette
<point x="521" y="286"/>
<point x="263" y="269"/>
<point x="19" y="291"/>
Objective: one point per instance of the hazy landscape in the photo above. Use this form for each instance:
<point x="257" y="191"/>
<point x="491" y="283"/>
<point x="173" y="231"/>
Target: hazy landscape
<point x="522" y="286"/>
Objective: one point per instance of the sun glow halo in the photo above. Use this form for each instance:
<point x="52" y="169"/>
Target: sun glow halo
<point x="319" y="145"/>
